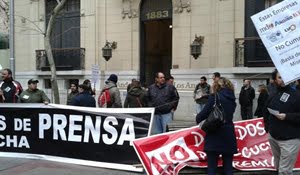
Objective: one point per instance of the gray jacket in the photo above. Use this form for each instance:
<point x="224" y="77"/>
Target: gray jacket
<point x="114" y="94"/>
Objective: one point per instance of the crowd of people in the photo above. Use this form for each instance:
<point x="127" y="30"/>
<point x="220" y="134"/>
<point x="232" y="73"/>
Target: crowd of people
<point x="283" y="127"/>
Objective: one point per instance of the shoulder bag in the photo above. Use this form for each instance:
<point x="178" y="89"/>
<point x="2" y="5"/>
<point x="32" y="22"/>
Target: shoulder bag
<point x="215" y="119"/>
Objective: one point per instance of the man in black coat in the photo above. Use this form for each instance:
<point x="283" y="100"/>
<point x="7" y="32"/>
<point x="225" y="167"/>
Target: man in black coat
<point x="283" y="126"/>
<point x="246" y="97"/>
<point x="10" y="89"/>
<point x="84" y="98"/>
<point x="162" y="96"/>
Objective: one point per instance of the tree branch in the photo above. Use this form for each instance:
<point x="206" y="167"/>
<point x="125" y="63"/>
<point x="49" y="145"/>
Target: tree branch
<point x="58" y="1"/>
<point x="38" y="28"/>
<point x="29" y="28"/>
<point x="53" y="16"/>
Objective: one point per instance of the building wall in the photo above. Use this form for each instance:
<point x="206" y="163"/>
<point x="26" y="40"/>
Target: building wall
<point x="4" y="58"/>
<point x="219" y="21"/>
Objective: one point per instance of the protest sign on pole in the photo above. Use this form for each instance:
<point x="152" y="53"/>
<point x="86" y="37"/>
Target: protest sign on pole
<point x="279" y="30"/>
<point x="95" y="74"/>
<point x="98" y="137"/>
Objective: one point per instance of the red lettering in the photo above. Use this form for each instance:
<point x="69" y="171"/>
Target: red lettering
<point x="178" y="149"/>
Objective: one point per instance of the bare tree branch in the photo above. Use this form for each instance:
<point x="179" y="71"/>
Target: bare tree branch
<point x="58" y="35"/>
<point x="58" y="1"/>
<point x="4" y="8"/>
<point x="38" y="28"/>
<point x="30" y="28"/>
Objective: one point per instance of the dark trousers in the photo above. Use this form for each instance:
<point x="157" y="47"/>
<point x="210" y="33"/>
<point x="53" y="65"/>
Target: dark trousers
<point x="246" y="112"/>
<point x="212" y="160"/>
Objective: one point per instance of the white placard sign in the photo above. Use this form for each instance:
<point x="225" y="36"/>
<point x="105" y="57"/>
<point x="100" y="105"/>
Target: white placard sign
<point x="95" y="74"/>
<point x="279" y="30"/>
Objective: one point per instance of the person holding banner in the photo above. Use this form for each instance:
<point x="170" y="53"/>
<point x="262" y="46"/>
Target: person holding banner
<point x="223" y="141"/>
<point x="33" y="94"/>
<point x="282" y="121"/>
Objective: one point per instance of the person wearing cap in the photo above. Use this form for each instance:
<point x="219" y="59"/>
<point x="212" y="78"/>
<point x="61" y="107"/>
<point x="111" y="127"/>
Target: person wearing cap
<point x="33" y="94"/>
<point x="10" y="89"/>
<point x="114" y="92"/>
<point x="84" y="97"/>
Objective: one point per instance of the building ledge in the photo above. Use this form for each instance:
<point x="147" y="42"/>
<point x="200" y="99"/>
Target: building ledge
<point x="58" y="73"/>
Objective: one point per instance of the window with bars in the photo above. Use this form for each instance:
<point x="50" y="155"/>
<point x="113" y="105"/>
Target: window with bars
<point x="64" y="39"/>
<point x="255" y="54"/>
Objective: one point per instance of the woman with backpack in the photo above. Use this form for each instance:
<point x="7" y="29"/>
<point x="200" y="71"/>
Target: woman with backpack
<point x="136" y="96"/>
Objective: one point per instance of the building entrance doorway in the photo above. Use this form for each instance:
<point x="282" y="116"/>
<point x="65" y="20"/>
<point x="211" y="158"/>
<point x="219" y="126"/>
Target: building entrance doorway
<point x="156" y="39"/>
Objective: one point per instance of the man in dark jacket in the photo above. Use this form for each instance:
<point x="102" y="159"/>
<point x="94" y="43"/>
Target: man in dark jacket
<point x="9" y="88"/>
<point x="283" y="126"/>
<point x="246" y="97"/>
<point x="163" y="98"/>
<point x="84" y="98"/>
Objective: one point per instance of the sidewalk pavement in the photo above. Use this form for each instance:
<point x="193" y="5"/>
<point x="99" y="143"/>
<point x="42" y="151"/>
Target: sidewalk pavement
<point x="16" y="166"/>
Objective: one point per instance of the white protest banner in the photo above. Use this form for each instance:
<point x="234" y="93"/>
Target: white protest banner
<point x="279" y="30"/>
<point x="95" y="74"/>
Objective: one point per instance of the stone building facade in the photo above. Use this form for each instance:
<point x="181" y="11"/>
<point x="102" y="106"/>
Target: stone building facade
<point x="150" y="36"/>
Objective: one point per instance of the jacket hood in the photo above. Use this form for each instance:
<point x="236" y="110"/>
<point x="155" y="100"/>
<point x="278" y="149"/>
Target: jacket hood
<point x="136" y="91"/>
<point x="110" y="84"/>
<point x="229" y="94"/>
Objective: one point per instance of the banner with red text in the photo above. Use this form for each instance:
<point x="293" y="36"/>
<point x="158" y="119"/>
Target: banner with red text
<point x="168" y="153"/>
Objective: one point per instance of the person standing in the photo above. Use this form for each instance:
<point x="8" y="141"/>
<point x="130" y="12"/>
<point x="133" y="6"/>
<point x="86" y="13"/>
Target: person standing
<point x="1" y="96"/>
<point x="284" y="127"/>
<point x="114" y="92"/>
<point x="136" y="96"/>
<point x="272" y="89"/>
<point x="261" y="101"/>
<point x="223" y="141"/>
<point x="129" y="85"/>
<point x="246" y="97"/>
<point x="170" y="81"/>
<point x="163" y="98"/>
<point x="10" y="89"/>
<point x="201" y="94"/>
<point x="216" y="76"/>
<point x="74" y="92"/>
<point x="84" y="98"/>
<point x="88" y="83"/>
<point x="33" y="94"/>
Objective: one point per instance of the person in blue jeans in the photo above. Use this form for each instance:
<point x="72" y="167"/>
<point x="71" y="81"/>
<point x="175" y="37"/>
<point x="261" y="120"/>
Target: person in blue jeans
<point x="162" y="96"/>
<point x="223" y="141"/>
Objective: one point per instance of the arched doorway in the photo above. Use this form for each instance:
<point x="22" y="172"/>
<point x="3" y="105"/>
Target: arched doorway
<point x="155" y="39"/>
